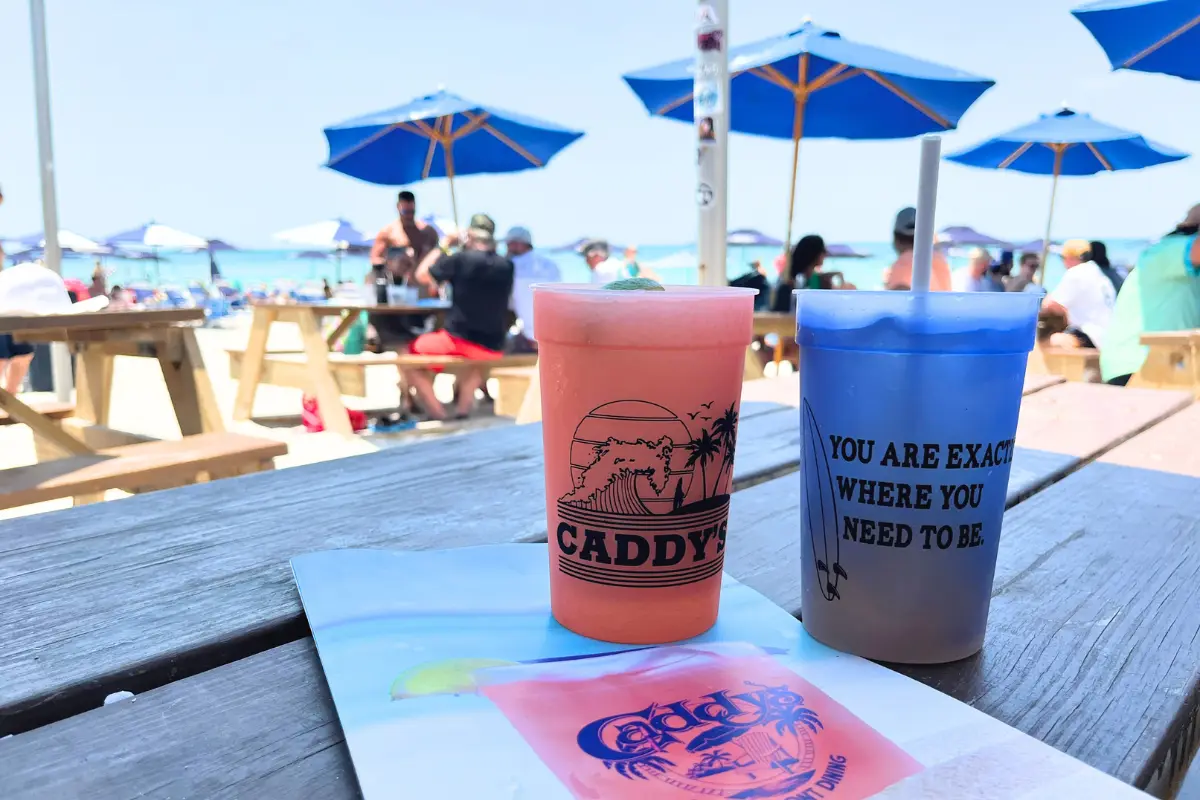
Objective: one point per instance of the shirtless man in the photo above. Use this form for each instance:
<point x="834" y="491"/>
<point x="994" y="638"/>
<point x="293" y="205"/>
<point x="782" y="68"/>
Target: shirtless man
<point x="401" y="247"/>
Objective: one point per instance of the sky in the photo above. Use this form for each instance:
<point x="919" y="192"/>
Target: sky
<point x="207" y="116"/>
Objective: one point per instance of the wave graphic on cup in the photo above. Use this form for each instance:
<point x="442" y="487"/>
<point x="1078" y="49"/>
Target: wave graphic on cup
<point x="820" y="509"/>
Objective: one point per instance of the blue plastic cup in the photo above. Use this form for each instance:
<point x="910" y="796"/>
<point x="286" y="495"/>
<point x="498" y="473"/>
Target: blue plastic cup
<point x="908" y="410"/>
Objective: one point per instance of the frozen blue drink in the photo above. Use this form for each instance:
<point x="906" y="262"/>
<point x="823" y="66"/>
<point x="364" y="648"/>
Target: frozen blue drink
<point x="909" y="406"/>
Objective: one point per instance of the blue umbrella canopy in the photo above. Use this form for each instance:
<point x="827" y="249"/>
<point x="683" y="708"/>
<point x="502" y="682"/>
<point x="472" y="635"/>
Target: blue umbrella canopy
<point x="748" y="237"/>
<point x="963" y="236"/>
<point x="1155" y="36"/>
<point x="1066" y="143"/>
<point x="843" y="251"/>
<point x="813" y="83"/>
<point x="440" y="136"/>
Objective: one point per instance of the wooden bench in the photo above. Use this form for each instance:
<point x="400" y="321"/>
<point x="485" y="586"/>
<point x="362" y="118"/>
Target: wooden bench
<point x="1074" y="364"/>
<point x="50" y="410"/>
<point x="138" y="468"/>
<point x="350" y="371"/>
<point x="1173" y="361"/>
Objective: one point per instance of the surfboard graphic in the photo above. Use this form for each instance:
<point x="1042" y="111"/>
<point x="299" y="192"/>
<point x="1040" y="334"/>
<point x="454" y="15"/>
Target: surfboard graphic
<point x="819" y="508"/>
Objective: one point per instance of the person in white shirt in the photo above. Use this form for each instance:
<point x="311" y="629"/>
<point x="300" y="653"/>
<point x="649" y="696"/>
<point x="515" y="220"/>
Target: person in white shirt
<point x="1085" y="295"/>
<point x="974" y="277"/>
<point x="604" y="268"/>
<point x="530" y="267"/>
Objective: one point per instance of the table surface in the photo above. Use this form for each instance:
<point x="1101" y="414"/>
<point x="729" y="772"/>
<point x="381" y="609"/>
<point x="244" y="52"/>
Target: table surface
<point x="99" y="320"/>
<point x="185" y="597"/>
<point x="334" y="307"/>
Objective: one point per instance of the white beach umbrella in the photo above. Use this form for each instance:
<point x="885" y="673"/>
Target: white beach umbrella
<point x="331" y="234"/>
<point x="67" y="240"/>
<point x="154" y="235"/>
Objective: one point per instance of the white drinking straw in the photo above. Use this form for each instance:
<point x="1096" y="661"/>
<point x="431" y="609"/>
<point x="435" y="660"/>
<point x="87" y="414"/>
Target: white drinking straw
<point x="931" y="154"/>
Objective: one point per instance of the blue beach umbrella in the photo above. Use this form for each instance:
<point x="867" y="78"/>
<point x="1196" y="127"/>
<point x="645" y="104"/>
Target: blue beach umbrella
<point x="748" y="237"/>
<point x="812" y="83"/>
<point x="440" y="136"/>
<point x="1155" y="36"/>
<point x="1066" y="143"/>
<point x="963" y="236"/>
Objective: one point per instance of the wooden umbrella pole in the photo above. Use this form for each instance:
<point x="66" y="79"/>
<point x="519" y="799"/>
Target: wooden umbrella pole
<point x="796" y="134"/>
<point x="449" y="145"/>
<point x="1058" y="156"/>
<point x="800" y="92"/>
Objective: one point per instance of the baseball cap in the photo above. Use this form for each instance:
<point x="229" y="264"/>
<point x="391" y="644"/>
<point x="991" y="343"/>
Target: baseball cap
<point x="906" y="222"/>
<point x="519" y="234"/>
<point x="594" y="244"/>
<point x="482" y="226"/>
<point x="1074" y="248"/>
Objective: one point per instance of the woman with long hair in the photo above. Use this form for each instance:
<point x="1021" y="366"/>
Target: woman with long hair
<point x="807" y="256"/>
<point x="1098" y="254"/>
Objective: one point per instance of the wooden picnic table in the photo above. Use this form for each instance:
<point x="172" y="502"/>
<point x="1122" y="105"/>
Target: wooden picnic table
<point x="186" y="598"/>
<point x="96" y="338"/>
<point x="317" y="378"/>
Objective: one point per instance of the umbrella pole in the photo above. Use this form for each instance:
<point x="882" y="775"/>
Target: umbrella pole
<point x="797" y="132"/>
<point x="449" y="145"/>
<point x="1058" y="155"/>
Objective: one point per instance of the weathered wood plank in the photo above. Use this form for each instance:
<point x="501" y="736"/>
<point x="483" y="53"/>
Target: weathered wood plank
<point x="1173" y="445"/>
<point x="1093" y="646"/>
<point x="142" y="587"/>
<point x="1035" y="382"/>
<point x="1085" y="419"/>
<point x="99" y="320"/>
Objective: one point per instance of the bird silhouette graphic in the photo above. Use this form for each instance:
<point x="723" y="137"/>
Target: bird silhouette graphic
<point x="706" y="405"/>
<point x="692" y="415"/>
<point x="706" y="419"/>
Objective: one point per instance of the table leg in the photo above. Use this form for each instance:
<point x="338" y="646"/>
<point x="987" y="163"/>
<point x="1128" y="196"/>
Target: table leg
<point x="329" y="398"/>
<point x="188" y="384"/>
<point x="753" y="369"/>
<point x="93" y="389"/>
<point x="252" y="361"/>
<point x="43" y="428"/>
<point x="344" y="324"/>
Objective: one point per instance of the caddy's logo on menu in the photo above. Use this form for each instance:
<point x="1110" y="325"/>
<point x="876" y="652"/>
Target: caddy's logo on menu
<point x="649" y="505"/>
<point x="752" y="741"/>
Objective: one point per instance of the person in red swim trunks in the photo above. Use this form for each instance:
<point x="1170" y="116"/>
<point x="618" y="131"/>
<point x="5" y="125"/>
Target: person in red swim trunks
<point x="481" y="283"/>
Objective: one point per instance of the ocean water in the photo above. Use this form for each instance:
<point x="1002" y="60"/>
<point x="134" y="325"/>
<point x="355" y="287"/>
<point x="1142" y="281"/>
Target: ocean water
<point x="251" y="268"/>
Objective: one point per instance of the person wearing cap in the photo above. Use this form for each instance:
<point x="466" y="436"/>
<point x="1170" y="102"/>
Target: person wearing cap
<point x="1085" y="295"/>
<point x="529" y="267"/>
<point x="477" y="322"/>
<point x="601" y="265"/>
<point x="1162" y="293"/>
<point x="899" y="274"/>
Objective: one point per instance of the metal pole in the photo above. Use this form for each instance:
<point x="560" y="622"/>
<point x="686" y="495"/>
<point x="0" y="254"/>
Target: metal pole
<point x="60" y="359"/>
<point x="710" y="102"/>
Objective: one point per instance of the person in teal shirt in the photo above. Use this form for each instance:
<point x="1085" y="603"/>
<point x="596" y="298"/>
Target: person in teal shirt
<point x="1162" y="293"/>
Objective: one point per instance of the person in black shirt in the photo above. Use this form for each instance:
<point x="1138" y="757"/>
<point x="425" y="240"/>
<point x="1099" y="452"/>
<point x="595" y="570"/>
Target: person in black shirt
<point x="481" y="283"/>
